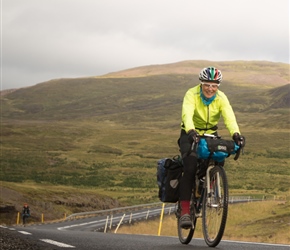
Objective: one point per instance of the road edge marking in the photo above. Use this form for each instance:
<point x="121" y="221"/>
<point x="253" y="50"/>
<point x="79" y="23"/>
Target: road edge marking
<point x="56" y="243"/>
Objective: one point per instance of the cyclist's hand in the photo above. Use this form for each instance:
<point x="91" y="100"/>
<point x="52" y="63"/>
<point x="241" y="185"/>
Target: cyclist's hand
<point x="193" y="136"/>
<point x="239" y="139"/>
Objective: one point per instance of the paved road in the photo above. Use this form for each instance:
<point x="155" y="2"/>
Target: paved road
<point x="76" y="235"/>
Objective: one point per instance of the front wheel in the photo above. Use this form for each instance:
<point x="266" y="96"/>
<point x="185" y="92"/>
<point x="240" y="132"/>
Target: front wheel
<point x="215" y="207"/>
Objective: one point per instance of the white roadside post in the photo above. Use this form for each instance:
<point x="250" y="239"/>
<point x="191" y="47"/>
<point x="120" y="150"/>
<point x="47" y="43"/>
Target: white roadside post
<point x="120" y="223"/>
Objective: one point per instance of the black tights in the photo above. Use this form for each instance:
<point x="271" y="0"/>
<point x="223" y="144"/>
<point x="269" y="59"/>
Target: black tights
<point x="188" y="179"/>
<point x="190" y="167"/>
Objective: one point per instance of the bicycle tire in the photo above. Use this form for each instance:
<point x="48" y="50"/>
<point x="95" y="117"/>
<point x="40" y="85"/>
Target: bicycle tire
<point x="185" y="235"/>
<point x="215" y="207"/>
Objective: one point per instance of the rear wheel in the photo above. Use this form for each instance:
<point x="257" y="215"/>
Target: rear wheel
<point x="215" y="207"/>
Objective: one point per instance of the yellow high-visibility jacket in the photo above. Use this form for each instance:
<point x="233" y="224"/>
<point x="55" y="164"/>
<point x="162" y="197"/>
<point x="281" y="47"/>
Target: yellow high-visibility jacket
<point x="204" y="119"/>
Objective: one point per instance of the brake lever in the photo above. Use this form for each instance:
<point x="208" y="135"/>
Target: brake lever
<point x="239" y="151"/>
<point x="237" y="154"/>
<point x="194" y="145"/>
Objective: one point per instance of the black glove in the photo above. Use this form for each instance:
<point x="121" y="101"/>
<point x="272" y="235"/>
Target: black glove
<point x="192" y="136"/>
<point x="239" y="139"/>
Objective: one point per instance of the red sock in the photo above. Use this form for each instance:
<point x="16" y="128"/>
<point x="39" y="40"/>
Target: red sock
<point x="185" y="207"/>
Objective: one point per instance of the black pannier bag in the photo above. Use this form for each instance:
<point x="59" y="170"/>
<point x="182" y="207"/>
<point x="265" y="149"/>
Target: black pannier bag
<point x="169" y="172"/>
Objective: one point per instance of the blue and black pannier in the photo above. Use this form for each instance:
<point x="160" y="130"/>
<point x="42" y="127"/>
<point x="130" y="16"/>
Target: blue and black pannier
<point x="169" y="172"/>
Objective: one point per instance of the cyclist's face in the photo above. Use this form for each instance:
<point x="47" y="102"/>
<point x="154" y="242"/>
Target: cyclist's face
<point x="209" y="89"/>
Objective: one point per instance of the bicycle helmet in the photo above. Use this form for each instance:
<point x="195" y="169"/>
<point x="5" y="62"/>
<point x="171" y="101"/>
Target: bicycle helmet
<point x="210" y="74"/>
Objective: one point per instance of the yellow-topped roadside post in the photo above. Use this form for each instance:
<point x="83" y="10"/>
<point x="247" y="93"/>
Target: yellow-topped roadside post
<point x="161" y="219"/>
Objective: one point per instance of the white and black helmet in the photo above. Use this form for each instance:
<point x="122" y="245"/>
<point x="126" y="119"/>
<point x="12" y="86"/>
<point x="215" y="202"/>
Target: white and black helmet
<point x="211" y="74"/>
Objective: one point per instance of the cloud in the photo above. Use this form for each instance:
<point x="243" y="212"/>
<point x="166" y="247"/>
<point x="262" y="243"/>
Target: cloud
<point x="43" y="40"/>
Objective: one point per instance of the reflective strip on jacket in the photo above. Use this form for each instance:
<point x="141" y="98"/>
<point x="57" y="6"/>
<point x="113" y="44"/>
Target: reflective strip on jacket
<point x="196" y="115"/>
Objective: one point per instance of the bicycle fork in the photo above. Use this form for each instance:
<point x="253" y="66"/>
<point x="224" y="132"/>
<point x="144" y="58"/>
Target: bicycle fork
<point x="211" y="191"/>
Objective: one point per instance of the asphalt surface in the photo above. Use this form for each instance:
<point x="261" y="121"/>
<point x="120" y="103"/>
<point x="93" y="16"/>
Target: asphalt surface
<point x="13" y="240"/>
<point x="47" y="238"/>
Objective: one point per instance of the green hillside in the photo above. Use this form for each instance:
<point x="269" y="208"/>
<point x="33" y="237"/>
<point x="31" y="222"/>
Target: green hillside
<point x="106" y="133"/>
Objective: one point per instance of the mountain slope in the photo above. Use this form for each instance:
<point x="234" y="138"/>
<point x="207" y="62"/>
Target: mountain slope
<point x="117" y="93"/>
<point x="247" y="72"/>
<point x="280" y="97"/>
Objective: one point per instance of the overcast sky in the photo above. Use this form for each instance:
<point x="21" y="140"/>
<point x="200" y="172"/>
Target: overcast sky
<point x="48" y="39"/>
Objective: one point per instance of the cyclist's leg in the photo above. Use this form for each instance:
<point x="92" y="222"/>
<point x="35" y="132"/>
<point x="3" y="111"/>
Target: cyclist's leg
<point x="186" y="223"/>
<point x="187" y="180"/>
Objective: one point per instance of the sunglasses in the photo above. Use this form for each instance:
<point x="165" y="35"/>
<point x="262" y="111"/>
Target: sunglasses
<point x="207" y="85"/>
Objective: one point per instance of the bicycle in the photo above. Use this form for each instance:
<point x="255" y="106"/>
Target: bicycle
<point x="209" y="200"/>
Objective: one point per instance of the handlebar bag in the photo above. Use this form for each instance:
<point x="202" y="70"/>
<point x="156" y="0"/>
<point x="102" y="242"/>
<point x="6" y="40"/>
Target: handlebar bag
<point x="216" y="149"/>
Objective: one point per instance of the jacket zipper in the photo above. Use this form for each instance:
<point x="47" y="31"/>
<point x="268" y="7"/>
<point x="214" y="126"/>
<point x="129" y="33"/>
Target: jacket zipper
<point x="207" y="122"/>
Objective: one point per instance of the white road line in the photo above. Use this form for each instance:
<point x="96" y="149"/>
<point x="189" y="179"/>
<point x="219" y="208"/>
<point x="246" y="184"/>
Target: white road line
<point x="56" y="243"/>
<point x="24" y="232"/>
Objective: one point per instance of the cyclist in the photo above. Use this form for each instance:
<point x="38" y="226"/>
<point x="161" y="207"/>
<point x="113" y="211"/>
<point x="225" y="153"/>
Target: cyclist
<point x="202" y="107"/>
<point x="25" y="213"/>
